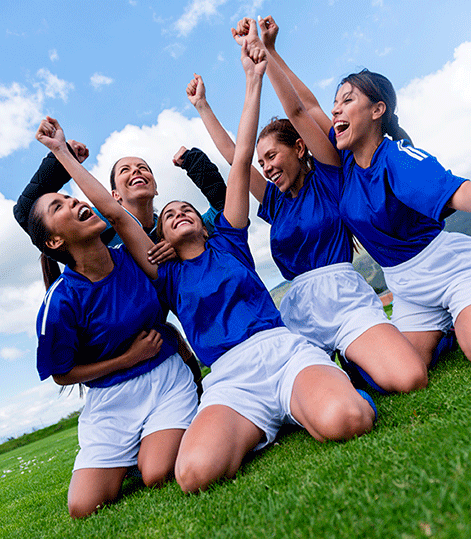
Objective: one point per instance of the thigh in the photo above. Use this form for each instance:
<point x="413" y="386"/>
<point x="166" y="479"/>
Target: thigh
<point x="326" y="404"/>
<point x="463" y="331"/>
<point x="214" y="446"/>
<point x="157" y="455"/>
<point x="389" y="358"/>
<point x="91" y="488"/>
<point x="424" y="342"/>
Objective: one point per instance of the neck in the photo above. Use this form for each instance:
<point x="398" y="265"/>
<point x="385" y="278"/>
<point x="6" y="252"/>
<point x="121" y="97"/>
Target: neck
<point x="143" y="210"/>
<point x="299" y="182"/>
<point x="93" y="260"/>
<point x="363" y="154"/>
<point x="193" y="249"/>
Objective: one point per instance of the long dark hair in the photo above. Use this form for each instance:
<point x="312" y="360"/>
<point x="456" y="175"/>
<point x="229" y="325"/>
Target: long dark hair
<point x="40" y="234"/>
<point x="377" y="88"/>
<point x="285" y="134"/>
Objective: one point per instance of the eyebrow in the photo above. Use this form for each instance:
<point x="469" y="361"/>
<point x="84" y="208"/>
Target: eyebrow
<point x="54" y="201"/>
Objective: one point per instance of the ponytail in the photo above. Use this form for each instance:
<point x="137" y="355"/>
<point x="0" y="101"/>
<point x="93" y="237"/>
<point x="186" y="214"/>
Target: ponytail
<point x="51" y="270"/>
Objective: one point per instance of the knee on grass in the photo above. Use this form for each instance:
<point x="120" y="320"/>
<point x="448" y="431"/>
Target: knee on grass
<point x="341" y="419"/>
<point x="195" y="472"/>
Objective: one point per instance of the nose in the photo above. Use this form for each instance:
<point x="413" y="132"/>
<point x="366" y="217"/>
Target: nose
<point x="266" y="168"/>
<point x="336" y="110"/>
<point x="73" y="202"/>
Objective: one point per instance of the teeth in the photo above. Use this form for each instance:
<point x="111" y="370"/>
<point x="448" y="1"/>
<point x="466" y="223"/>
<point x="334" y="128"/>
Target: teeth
<point x="275" y="177"/>
<point x="84" y="213"/>
<point x="137" y="181"/>
<point x="341" y="126"/>
<point x="182" y="223"/>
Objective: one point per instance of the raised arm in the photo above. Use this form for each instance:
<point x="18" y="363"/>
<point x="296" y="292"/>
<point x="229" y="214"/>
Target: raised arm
<point x="50" y="177"/>
<point x="204" y="174"/>
<point x="314" y="137"/>
<point x="51" y="135"/>
<point x="196" y="93"/>
<point x="269" y="31"/>
<point x="236" y="209"/>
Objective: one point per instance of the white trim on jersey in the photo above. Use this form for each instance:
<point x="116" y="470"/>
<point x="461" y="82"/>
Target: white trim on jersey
<point x="412" y="152"/>
<point x="47" y="302"/>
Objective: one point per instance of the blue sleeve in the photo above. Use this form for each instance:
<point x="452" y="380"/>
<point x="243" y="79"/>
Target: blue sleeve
<point x="232" y="239"/>
<point x="419" y="181"/>
<point x="58" y="340"/>
<point x="208" y="219"/>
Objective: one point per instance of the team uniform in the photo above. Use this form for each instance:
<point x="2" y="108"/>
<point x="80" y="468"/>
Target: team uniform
<point x="81" y="322"/>
<point x="329" y="302"/>
<point x="231" y="321"/>
<point x="396" y="208"/>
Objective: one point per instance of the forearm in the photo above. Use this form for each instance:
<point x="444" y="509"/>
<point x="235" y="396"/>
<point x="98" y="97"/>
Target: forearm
<point x="92" y="371"/>
<point x="205" y="175"/>
<point x="236" y="210"/>
<point x="219" y="135"/>
<point x="50" y="177"/>
<point x="307" y="98"/>
<point x="309" y="130"/>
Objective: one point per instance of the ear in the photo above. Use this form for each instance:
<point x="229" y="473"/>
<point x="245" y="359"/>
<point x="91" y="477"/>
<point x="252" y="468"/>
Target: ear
<point x="300" y="148"/>
<point x="54" y="242"/>
<point x="378" y="110"/>
<point x="117" y="196"/>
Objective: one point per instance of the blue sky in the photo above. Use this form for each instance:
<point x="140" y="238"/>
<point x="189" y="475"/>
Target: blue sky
<point x="115" y="73"/>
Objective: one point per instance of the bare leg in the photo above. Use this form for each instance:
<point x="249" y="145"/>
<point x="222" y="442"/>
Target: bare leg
<point x="91" y="488"/>
<point x="328" y="406"/>
<point x="463" y="331"/>
<point x="389" y="358"/>
<point x="213" y="447"/>
<point x="157" y="455"/>
<point x="424" y="342"/>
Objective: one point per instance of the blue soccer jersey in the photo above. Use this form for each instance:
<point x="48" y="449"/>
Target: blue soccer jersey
<point x="306" y="231"/>
<point x="82" y="322"/>
<point x="397" y="205"/>
<point x="218" y="296"/>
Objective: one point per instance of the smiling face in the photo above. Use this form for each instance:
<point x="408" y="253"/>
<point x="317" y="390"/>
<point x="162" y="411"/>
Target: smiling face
<point x="281" y="163"/>
<point x="133" y="180"/>
<point x="356" y="119"/>
<point x="68" y="220"/>
<point x="180" y="223"/>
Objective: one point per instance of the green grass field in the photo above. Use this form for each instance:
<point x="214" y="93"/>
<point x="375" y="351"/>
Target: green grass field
<point x="409" y="478"/>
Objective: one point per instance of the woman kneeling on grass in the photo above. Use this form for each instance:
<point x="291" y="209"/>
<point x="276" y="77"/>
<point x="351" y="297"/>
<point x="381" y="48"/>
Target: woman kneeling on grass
<point x="141" y="395"/>
<point x="262" y="374"/>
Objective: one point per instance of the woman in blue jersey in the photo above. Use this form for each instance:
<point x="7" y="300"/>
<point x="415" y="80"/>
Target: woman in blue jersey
<point x="329" y="302"/>
<point x="394" y="200"/>
<point x="262" y="375"/>
<point x="101" y="324"/>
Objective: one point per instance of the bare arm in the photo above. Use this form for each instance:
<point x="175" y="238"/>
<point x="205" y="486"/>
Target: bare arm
<point x="197" y="95"/>
<point x="236" y="209"/>
<point x="51" y="135"/>
<point x="145" y="346"/>
<point x="269" y="31"/>
<point x="461" y="199"/>
<point x="312" y="134"/>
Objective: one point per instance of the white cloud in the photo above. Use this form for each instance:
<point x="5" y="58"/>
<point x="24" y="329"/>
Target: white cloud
<point x="21" y="109"/>
<point x="384" y="52"/>
<point x="194" y="12"/>
<point x="35" y="408"/>
<point x="175" y="50"/>
<point x="325" y="83"/>
<point x="436" y="111"/>
<point x="52" y="86"/>
<point x="97" y="80"/>
<point x="53" y="55"/>
<point x="11" y="353"/>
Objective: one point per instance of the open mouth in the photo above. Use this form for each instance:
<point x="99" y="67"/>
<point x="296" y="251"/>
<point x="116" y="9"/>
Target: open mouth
<point x="341" y="127"/>
<point x="183" y="222"/>
<point x="137" y="181"/>
<point x="276" y="177"/>
<point x="84" y="213"/>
